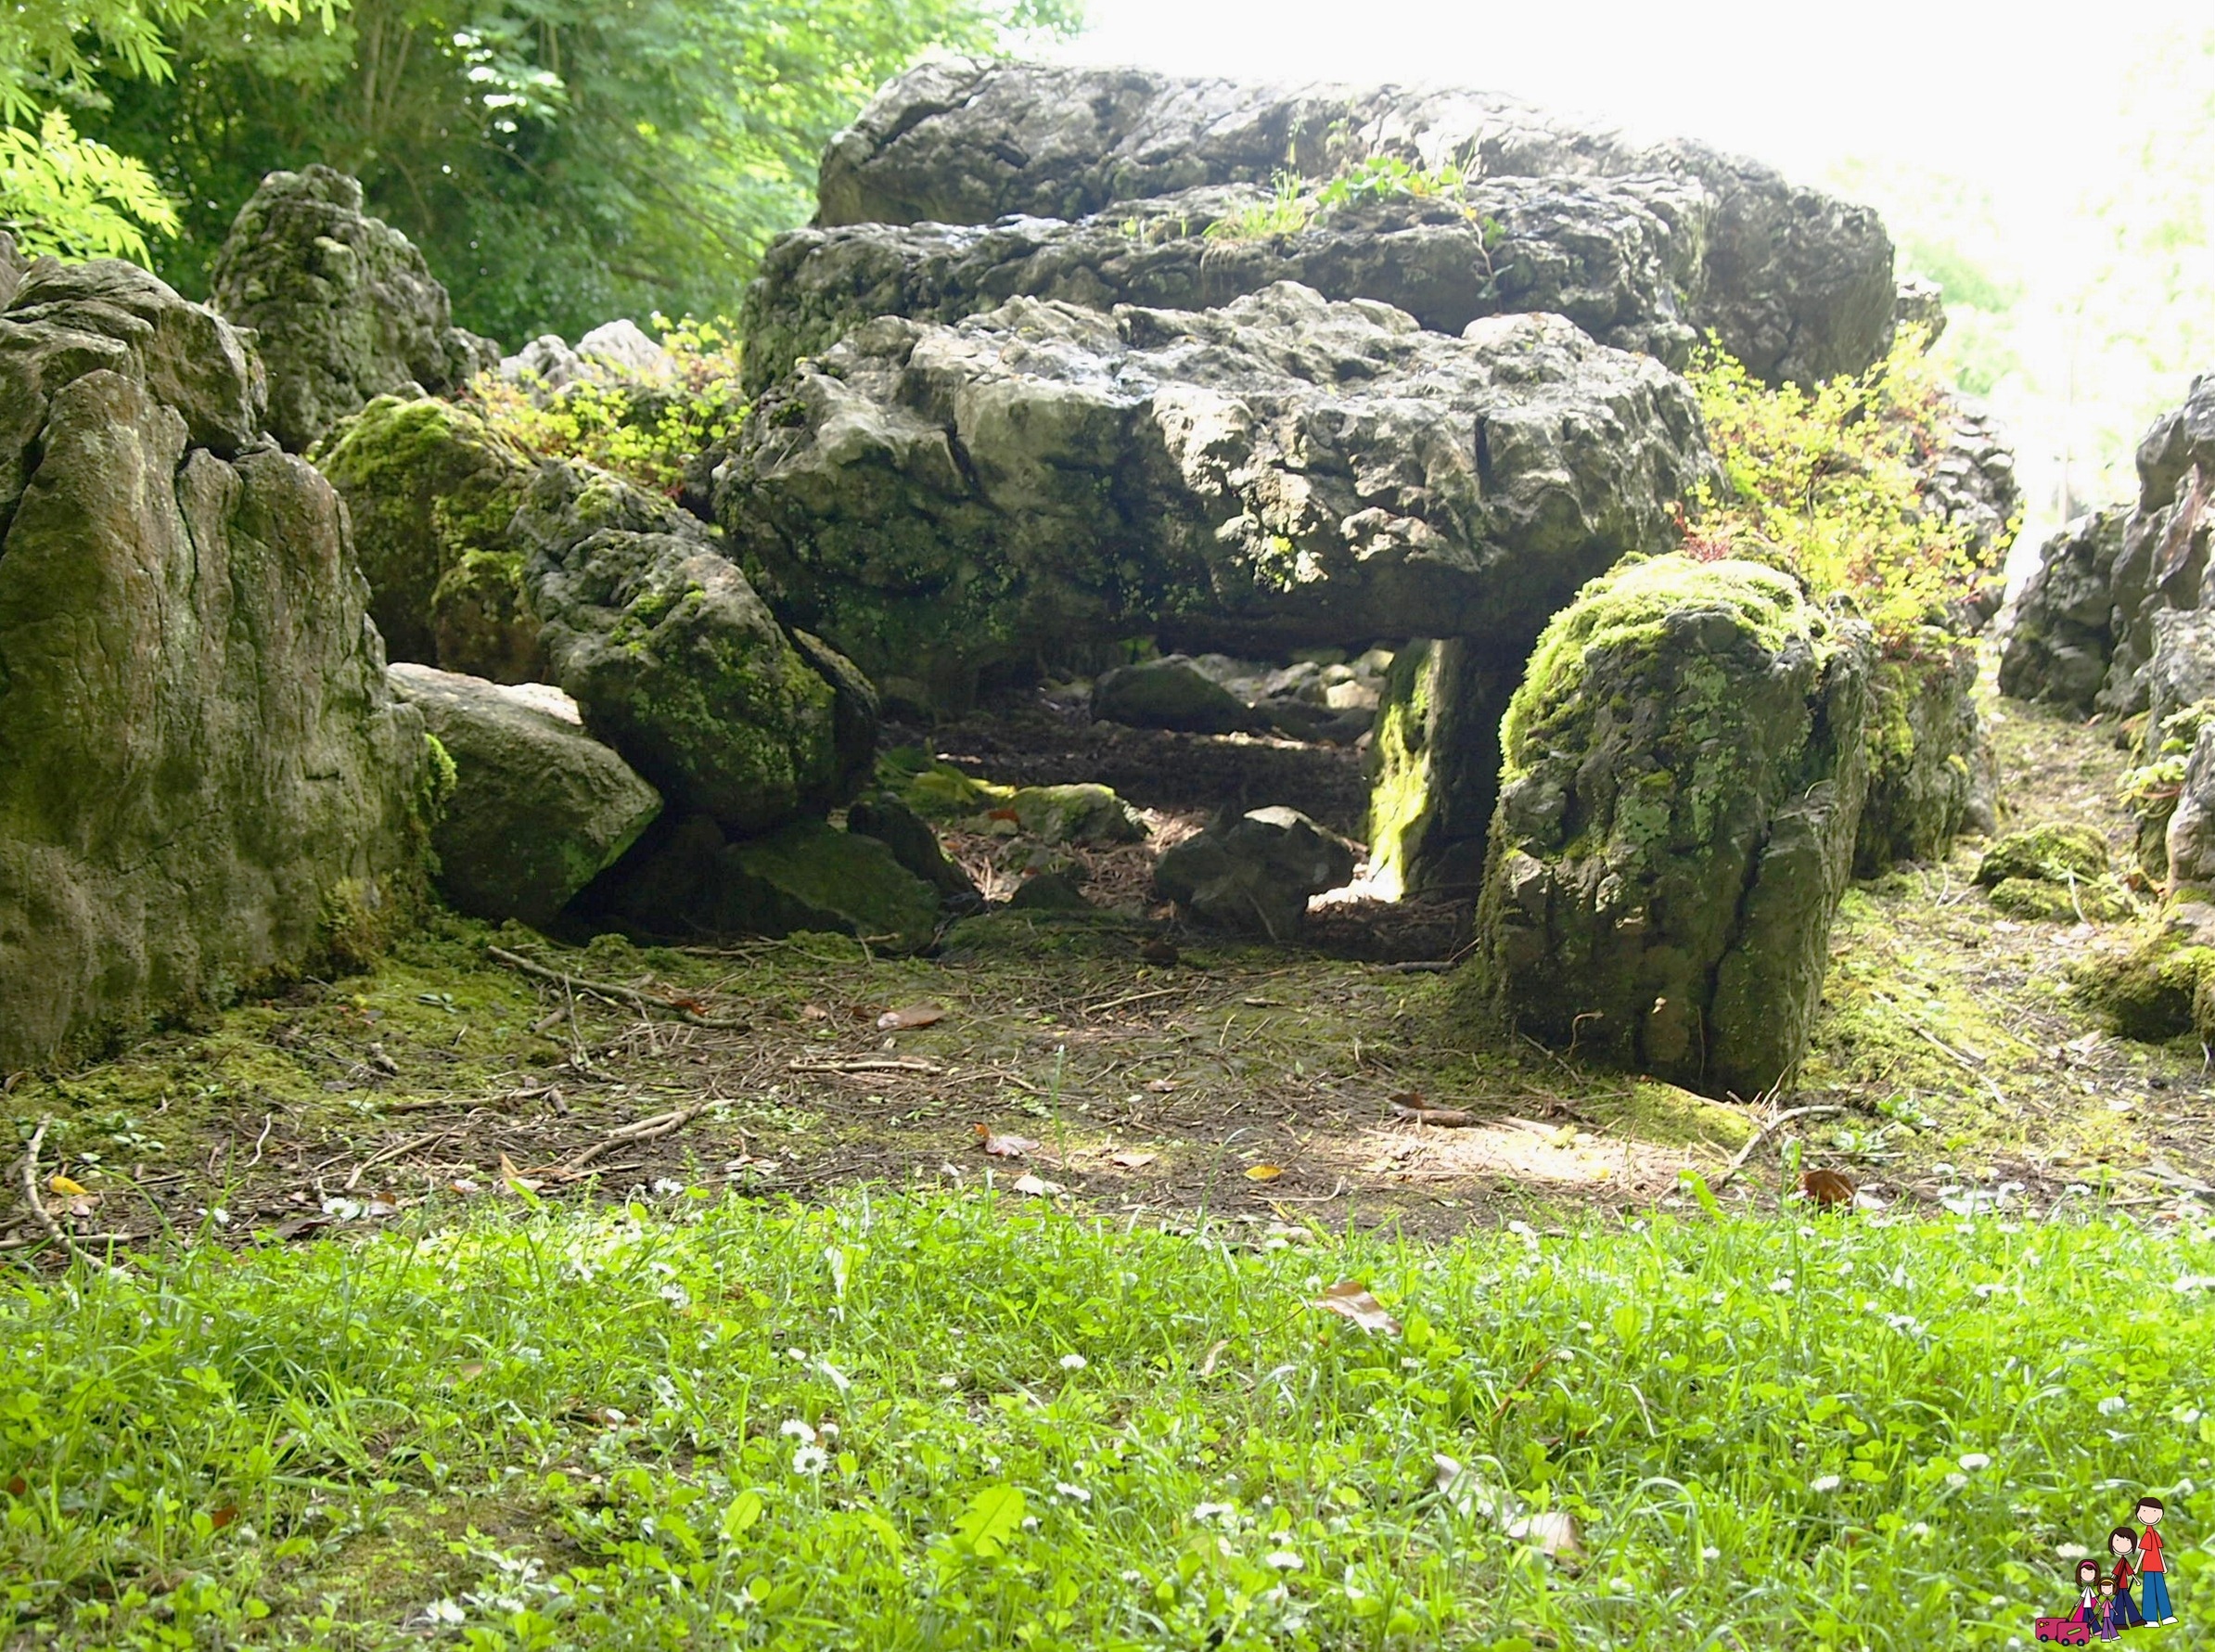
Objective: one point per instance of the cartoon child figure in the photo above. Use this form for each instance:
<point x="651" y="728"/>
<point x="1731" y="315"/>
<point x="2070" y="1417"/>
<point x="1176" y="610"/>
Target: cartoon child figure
<point x="2122" y="1542"/>
<point x="2153" y="1571"/>
<point x="2103" y="1610"/>
<point x="2088" y="1594"/>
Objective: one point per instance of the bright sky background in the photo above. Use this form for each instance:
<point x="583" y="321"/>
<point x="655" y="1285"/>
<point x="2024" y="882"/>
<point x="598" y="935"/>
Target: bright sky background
<point x="1981" y="90"/>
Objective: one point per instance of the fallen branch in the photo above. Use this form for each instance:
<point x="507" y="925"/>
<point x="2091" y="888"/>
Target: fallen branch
<point x="1762" y="1135"/>
<point x="614" y="994"/>
<point x="638" y="1130"/>
<point x="862" y="1064"/>
<point x="398" y="1149"/>
<point x="38" y="1206"/>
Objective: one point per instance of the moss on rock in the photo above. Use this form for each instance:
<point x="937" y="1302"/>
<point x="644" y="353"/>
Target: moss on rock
<point x="2158" y="983"/>
<point x="1682" y="774"/>
<point x="2049" y="853"/>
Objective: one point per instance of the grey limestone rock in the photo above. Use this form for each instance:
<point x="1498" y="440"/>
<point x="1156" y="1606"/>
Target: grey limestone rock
<point x="943" y="501"/>
<point x="2061" y="631"/>
<point x="1798" y="283"/>
<point x="1683" y="774"/>
<point x="1613" y="255"/>
<point x="204" y="780"/>
<point x="343" y="308"/>
<point x="539" y="808"/>
<point x="1255" y="872"/>
<point x="1929" y="764"/>
<point x="2191" y="840"/>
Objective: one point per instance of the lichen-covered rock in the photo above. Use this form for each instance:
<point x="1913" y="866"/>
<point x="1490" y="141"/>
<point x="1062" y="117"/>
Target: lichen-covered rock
<point x="939" y="501"/>
<point x="690" y="883"/>
<point x="488" y="564"/>
<point x="1927" y="754"/>
<point x="1613" y="255"/>
<point x="678" y="664"/>
<point x="539" y="808"/>
<point x="434" y="491"/>
<point x="343" y="304"/>
<point x="2156" y="981"/>
<point x="1682" y="775"/>
<point x="2181" y="671"/>
<point x="1169" y="692"/>
<point x="615" y="354"/>
<point x="1969" y="479"/>
<point x="1798" y="283"/>
<point x="2061" y="633"/>
<point x="1256" y="872"/>
<point x="1435" y="767"/>
<point x="2190" y="836"/>
<point x="2051" y="853"/>
<point x="204" y="780"/>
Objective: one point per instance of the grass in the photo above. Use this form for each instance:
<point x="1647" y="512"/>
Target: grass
<point x="971" y="1420"/>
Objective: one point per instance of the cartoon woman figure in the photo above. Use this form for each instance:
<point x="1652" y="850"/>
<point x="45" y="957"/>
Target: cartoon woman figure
<point x="2122" y="1542"/>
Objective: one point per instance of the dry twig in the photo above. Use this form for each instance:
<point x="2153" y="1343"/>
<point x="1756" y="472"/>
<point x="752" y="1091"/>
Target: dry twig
<point x="1762" y="1135"/>
<point x="613" y="992"/>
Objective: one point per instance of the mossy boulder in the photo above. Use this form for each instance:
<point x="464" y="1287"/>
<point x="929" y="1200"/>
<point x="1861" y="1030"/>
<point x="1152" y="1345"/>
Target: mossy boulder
<point x="1434" y="768"/>
<point x="433" y="491"/>
<point x="539" y="808"/>
<point x="1927" y="755"/>
<point x="1080" y="814"/>
<point x="1682" y="778"/>
<point x="204" y="780"/>
<point x="2097" y="902"/>
<point x="884" y="816"/>
<point x="1172" y="693"/>
<point x="2158" y="982"/>
<point x="345" y="308"/>
<point x="2049" y="853"/>
<point x="689" y="882"/>
<point x="489" y="564"/>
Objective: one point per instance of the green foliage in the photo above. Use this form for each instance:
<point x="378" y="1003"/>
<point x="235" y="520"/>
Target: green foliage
<point x="69" y="195"/>
<point x="643" y="433"/>
<point x="1289" y="210"/>
<point x="1295" y="203"/>
<point x="1387" y="177"/>
<point x="559" y="161"/>
<point x="2150" y="789"/>
<point x="1823" y="482"/>
<point x="899" y="1421"/>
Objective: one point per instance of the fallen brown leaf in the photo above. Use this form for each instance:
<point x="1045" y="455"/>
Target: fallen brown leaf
<point x="17" y="1486"/>
<point x="1131" y="1161"/>
<point x="1036" y="1187"/>
<point x="224" y="1516"/>
<point x="1828" y="1187"/>
<point x="912" y="1014"/>
<point x="813" y="1012"/>
<point x="1350" y="1300"/>
<point x="516" y="1178"/>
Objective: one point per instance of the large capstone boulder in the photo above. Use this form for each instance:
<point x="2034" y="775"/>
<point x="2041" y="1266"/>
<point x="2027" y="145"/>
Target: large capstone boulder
<point x="1434" y="765"/>
<point x="2061" y="631"/>
<point x="539" y="808"/>
<point x="343" y="305"/>
<point x="1613" y="255"/>
<point x="1930" y="765"/>
<point x="942" y="502"/>
<point x="204" y="781"/>
<point x="1683" y="774"/>
<point x="1255" y="872"/>
<point x="1797" y="284"/>
<point x="489" y="564"/>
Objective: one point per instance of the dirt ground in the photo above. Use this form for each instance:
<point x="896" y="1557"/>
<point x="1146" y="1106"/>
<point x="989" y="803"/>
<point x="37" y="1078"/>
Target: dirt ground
<point x="1269" y="1088"/>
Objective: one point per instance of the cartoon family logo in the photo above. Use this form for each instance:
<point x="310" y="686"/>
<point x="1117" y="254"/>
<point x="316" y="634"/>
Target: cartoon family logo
<point x="2105" y="1605"/>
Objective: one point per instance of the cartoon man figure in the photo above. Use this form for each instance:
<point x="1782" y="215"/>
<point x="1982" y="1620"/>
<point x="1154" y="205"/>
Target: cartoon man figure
<point x="2152" y="1572"/>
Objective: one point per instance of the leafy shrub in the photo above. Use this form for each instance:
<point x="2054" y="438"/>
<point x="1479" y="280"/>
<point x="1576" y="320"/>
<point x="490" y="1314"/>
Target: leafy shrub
<point x="1827" y="483"/>
<point x="644" y="430"/>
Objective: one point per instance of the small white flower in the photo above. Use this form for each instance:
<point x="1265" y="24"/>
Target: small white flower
<point x="1134" y="1577"/>
<point x="444" y="1611"/>
<point x="793" y="1428"/>
<point x="1973" y="1461"/>
<point x="1781" y="1286"/>
<point x="949" y="1382"/>
<point x="809" y="1459"/>
<point x="1522" y="1230"/>
<point x="1211" y="1511"/>
<point x="1073" y="1361"/>
<point x="1920" y="1528"/>
<point x="1955" y="1480"/>
<point x="1823" y="1482"/>
<point x="2071" y="1551"/>
<point x="663" y="1185"/>
<point x="1074" y="1493"/>
<point x="828" y="1432"/>
<point x="1283" y="1560"/>
<point x="2113" y="1403"/>
<point x="1031" y="1522"/>
<point x="1710" y="1553"/>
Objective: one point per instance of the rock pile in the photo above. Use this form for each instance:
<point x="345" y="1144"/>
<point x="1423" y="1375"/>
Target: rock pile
<point x="204" y="780"/>
<point x="2087" y="625"/>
